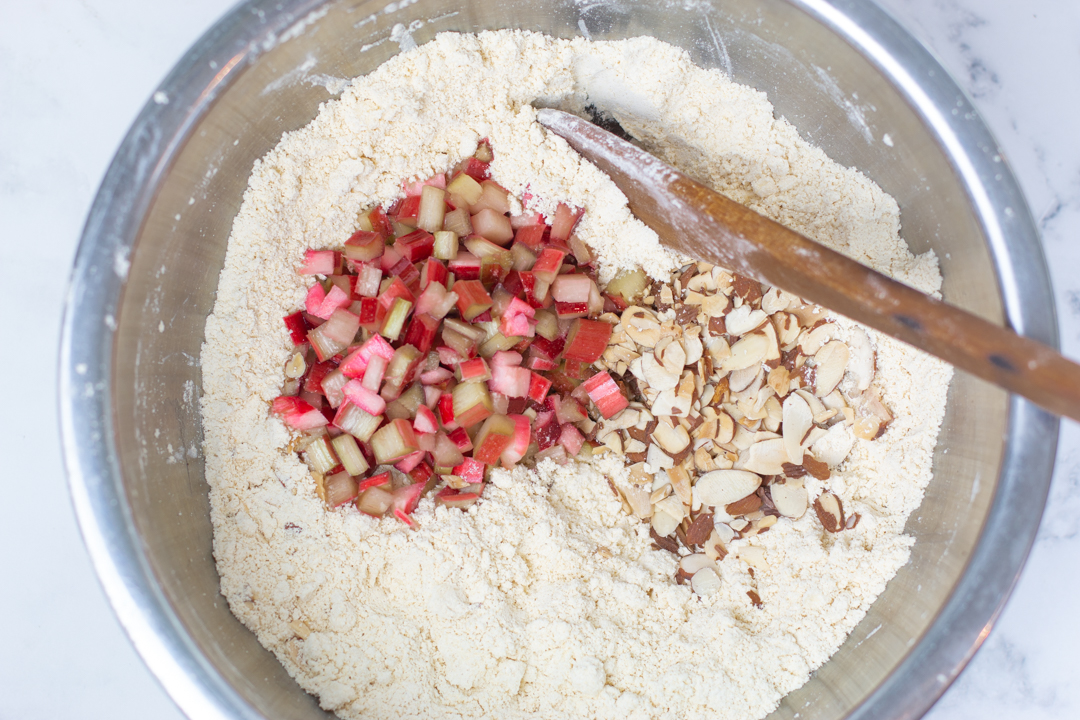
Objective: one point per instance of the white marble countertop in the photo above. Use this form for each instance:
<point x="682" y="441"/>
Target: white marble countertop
<point x="73" y="75"/>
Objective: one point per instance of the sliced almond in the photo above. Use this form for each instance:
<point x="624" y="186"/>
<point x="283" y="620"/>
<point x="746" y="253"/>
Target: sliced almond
<point x="787" y="328"/>
<point x="765" y="458"/>
<point x="657" y="459"/>
<point x="641" y="325"/>
<point x="721" y="487"/>
<point x="672" y="356"/>
<point x="754" y="556"/>
<point x="715" y="306"/>
<point x="797" y="422"/>
<point x="672" y="505"/>
<point x="664" y="523"/>
<point x="680" y="482"/>
<point x="705" y="582"/>
<point x="691" y="564"/>
<point x="830" y="511"/>
<point x="779" y="379"/>
<point x="744" y="319"/>
<point x="817" y="338"/>
<point x="637" y="497"/>
<point x="747" y="352"/>
<point x="656" y="375"/>
<point x="832" y="360"/>
<point x="789" y="498"/>
<point x="672" y="440"/>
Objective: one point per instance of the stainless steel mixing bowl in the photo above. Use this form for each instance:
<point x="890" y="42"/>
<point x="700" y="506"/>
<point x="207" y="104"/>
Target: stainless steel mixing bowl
<point x="848" y="78"/>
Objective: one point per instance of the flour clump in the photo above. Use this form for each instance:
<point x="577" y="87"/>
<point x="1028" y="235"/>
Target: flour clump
<point x="545" y="599"/>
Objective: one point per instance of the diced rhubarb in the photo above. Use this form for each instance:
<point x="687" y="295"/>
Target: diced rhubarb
<point x="335" y="334"/>
<point x="318" y="371"/>
<point x="383" y="480"/>
<point x="472" y="403"/>
<point x="336" y="299"/>
<point x="407" y="498"/>
<point x="315" y="296"/>
<point x="473" y="370"/>
<point x="511" y="381"/>
<point x="461" y="439"/>
<point x="446" y="453"/>
<point x="429" y="217"/>
<point x="446" y="411"/>
<point x="519" y="442"/>
<point x="605" y="394"/>
<point x="365" y="246"/>
<point x="356" y="363"/>
<point x="493" y="225"/>
<point x="465" y="266"/>
<point x="437" y="376"/>
<point x="394" y="321"/>
<point x="476" y="169"/>
<point x="352" y="459"/>
<point x="393" y="441"/>
<point x="375" y="220"/>
<point x="319" y="262"/>
<point x="375" y="500"/>
<point x="298" y="414"/>
<point x="410" y="461"/>
<point x="319" y="455"/>
<point x="563" y="224"/>
<point x="571" y="439"/>
<point x="569" y="311"/>
<point x="390" y="258"/>
<point x="421" y="332"/>
<point x="340" y="489"/>
<point x="567" y="410"/>
<point x="451" y="498"/>
<point x="572" y="288"/>
<point x="494" y="437"/>
<point x="531" y="236"/>
<point x="367" y="309"/>
<point x="358" y="423"/>
<point x="446" y="241"/>
<point x="587" y="340"/>
<point x="546" y="429"/>
<point x="400" y="371"/>
<point x="407" y="211"/>
<point x="416" y="246"/>
<point x="415" y="188"/>
<point x="465" y="187"/>
<point x="298" y="327"/>
<point x="434" y="271"/>
<point x="539" y="386"/>
<point x="548" y="264"/>
<point x="363" y="398"/>
<point x="473" y="299"/>
<point x="470" y="470"/>
<point x="493" y="196"/>
<point x="375" y="372"/>
<point x="333" y="387"/>
<point x="425" y="421"/>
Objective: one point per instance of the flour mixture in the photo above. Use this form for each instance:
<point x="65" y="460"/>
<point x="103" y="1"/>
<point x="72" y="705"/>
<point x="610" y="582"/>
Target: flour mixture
<point x="550" y="597"/>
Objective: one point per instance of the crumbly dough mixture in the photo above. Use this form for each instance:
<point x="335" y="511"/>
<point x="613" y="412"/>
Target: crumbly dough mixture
<point x="545" y="600"/>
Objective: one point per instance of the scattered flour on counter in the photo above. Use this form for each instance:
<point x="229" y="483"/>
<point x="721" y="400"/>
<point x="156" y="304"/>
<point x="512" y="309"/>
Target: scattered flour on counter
<point x="544" y="600"/>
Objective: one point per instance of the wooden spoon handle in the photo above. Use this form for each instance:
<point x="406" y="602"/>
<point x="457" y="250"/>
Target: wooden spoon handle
<point x="700" y="223"/>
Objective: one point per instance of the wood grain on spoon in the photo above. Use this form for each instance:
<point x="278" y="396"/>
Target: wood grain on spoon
<point x="700" y="223"/>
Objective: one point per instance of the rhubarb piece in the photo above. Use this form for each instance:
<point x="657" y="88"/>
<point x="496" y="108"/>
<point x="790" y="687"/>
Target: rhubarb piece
<point x="523" y="257"/>
<point x="357" y="361"/>
<point x="476" y="168"/>
<point x="320" y="262"/>
<point x="298" y="327"/>
<point x="493" y="225"/>
<point x="334" y="335"/>
<point x="425" y="421"/>
<point x="511" y="381"/>
<point x="356" y="421"/>
<point x="434" y="271"/>
<point x="365" y="246"/>
<point x="421" y="331"/>
<point x="436" y="301"/>
<point x="375" y="372"/>
<point x="459" y="222"/>
<point x="446" y="244"/>
<point x="446" y="453"/>
<point x="546" y="429"/>
<point x="382" y="480"/>
<point x="569" y="311"/>
<point x="465" y="187"/>
<point x="364" y="398"/>
<point x="548" y="264"/>
<point x="587" y="340"/>
<point x="563" y="224"/>
<point x="432" y="209"/>
<point x="547" y="326"/>
<point x="405" y="501"/>
<point x="352" y="459"/>
<point x="320" y="456"/>
<point x="531" y="236"/>
<point x="411" y="461"/>
<point x="572" y="288"/>
<point x="333" y="387"/>
<point x="340" y="489"/>
<point x="465" y="266"/>
<point x="393" y="441"/>
<point x="415" y="246"/>
<point x="336" y="299"/>
<point x="315" y="296"/>
<point x="461" y="439"/>
<point x="492" y="197"/>
<point x="368" y="280"/>
<point x="605" y="394"/>
<point x="519" y="442"/>
<point x="407" y="211"/>
<point x="400" y="371"/>
<point x="375" y="501"/>
<point x="471" y="471"/>
<point x="298" y="414"/>
<point x="539" y="387"/>
<point x="451" y="498"/>
<point x="474" y="370"/>
<point x="472" y="403"/>
<point x="395" y="318"/>
<point x="473" y="299"/>
<point x="571" y="439"/>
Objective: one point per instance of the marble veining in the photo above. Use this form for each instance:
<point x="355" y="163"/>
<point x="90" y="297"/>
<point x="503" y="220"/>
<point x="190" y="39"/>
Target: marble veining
<point x="73" y="74"/>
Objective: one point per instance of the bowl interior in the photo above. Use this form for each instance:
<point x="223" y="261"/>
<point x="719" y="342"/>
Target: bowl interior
<point x="835" y="97"/>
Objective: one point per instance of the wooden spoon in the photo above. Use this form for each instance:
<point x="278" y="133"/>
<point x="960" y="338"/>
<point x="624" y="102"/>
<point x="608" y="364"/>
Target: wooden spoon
<point x="699" y="223"/>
